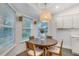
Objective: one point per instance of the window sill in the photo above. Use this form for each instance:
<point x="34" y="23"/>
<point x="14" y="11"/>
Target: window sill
<point x="24" y="41"/>
<point x="8" y="50"/>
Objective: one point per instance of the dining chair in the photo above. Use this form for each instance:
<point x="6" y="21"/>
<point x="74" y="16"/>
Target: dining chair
<point x="31" y="50"/>
<point x="50" y="37"/>
<point x="31" y="37"/>
<point x="56" y="50"/>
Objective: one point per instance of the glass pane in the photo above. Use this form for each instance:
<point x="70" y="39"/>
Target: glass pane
<point x="1" y="36"/>
<point x="1" y="32"/>
<point x="7" y="14"/>
<point x="6" y="35"/>
<point x="1" y="20"/>
<point x="26" y="33"/>
<point x="26" y="27"/>
<point x="8" y="21"/>
<point x="26" y="22"/>
<point x="42" y="25"/>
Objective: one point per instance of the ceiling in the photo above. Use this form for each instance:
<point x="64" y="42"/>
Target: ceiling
<point x="33" y="9"/>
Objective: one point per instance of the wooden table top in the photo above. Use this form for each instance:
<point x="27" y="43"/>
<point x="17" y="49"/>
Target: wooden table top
<point x="45" y="43"/>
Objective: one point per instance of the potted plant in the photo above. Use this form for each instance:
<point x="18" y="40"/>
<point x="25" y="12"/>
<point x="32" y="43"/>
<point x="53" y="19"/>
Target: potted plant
<point x="42" y="30"/>
<point x="42" y="34"/>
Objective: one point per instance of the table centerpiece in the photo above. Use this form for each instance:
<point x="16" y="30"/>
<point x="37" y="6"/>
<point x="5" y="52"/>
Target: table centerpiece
<point x="43" y="37"/>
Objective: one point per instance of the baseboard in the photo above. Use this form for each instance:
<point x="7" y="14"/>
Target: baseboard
<point x="77" y="54"/>
<point x="67" y="48"/>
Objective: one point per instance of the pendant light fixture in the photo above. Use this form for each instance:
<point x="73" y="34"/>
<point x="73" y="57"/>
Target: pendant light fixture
<point x="45" y="15"/>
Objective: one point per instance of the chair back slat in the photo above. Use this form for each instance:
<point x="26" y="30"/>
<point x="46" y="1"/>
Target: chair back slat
<point x="61" y="47"/>
<point x="31" y="46"/>
<point x="31" y="37"/>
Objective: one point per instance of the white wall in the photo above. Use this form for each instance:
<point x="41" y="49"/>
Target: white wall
<point x="52" y="28"/>
<point x="65" y="34"/>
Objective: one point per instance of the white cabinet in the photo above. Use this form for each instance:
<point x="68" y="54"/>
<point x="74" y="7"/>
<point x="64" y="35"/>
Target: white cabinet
<point x="64" y="21"/>
<point x="76" y="21"/>
<point x="75" y="45"/>
<point x="75" y="42"/>
<point x="59" y="22"/>
<point x="67" y="21"/>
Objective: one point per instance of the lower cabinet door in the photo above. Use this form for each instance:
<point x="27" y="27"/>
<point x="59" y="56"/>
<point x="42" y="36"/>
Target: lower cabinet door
<point x="75" y="45"/>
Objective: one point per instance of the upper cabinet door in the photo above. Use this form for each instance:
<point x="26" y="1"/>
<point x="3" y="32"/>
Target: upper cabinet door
<point x="76" y="21"/>
<point x="64" y="21"/>
<point x="59" y="22"/>
<point x="67" y="21"/>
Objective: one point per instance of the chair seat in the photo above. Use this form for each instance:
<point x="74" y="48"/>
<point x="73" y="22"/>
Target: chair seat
<point x="54" y="49"/>
<point x="37" y="51"/>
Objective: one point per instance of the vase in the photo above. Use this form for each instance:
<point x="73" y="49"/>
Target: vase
<point x="43" y="37"/>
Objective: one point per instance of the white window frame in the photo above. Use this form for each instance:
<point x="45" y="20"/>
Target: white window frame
<point x="13" y="30"/>
<point x="26" y="28"/>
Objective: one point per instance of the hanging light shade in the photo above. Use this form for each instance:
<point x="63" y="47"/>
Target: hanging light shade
<point x="45" y="15"/>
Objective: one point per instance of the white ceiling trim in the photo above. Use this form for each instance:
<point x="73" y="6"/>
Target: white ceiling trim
<point x="34" y="7"/>
<point x="70" y="8"/>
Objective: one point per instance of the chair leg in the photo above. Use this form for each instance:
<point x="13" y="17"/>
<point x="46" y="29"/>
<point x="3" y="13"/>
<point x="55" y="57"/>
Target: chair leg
<point x="45" y="51"/>
<point x="49" y="54"/>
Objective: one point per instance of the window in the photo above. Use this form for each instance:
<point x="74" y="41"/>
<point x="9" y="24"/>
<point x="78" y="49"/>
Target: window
<point x="26" y="31"/>
<point x="7" y="20"/>
<point x="42" y="25"/>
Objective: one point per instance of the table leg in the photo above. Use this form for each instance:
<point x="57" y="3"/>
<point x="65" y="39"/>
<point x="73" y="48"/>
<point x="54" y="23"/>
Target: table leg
<point x="44" y="51"/>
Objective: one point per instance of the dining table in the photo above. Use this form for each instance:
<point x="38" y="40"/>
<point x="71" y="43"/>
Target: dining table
<point x="44" y="44"/>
